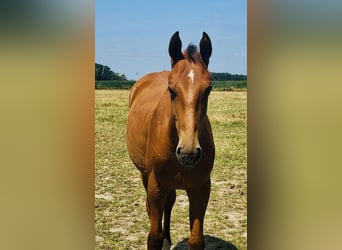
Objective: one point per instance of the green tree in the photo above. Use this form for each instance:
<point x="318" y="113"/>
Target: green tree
<point x="103" y="72"/>
<point x="228" y="77"/>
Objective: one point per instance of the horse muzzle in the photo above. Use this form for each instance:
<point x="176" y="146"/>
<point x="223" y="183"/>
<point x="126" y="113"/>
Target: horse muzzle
<point x="188" y="158"/>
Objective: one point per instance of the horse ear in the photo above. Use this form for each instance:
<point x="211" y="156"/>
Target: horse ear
<point x="205" y="48"/>
<point x="175" y="49"/>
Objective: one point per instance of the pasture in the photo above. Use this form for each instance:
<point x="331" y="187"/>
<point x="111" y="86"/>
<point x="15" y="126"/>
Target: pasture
<point x="121" y="221"/>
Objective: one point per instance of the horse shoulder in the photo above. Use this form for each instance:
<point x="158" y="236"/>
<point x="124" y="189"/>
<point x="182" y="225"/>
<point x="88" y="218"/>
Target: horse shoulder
<point x="208" y="135"/>
<point x="160" y="133"/>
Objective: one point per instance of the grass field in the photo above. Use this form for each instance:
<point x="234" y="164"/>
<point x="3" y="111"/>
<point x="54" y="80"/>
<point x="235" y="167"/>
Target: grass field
<point x="121" y="220"/>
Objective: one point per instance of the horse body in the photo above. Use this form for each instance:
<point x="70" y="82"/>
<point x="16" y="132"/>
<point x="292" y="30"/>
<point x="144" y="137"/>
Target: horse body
<point x="152" y="145"/>
<point x="170" y="141"/>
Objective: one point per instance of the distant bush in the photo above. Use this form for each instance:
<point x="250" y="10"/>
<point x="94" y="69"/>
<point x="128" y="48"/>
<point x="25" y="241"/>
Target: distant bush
<point x="229" y="85"/>
<point x="114" y="84"/>
<point x="103" y="72"/>
<point x="228" y="77"/>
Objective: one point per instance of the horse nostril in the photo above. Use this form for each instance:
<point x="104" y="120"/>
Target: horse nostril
<point x="199" y="152"/>
<point x="179" y="149"/>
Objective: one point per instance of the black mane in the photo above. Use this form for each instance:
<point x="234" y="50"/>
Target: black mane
<point x="192" y="52"/>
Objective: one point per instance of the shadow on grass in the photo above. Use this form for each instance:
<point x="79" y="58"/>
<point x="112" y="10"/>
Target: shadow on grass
<point x="211" y="243"/>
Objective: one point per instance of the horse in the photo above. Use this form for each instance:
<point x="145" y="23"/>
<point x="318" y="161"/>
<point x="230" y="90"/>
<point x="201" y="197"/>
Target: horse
<point x="169" y="139"/>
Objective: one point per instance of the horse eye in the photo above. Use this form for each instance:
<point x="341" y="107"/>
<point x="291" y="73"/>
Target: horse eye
<point x="208" y="90"/>
<point x="172" y="93"/>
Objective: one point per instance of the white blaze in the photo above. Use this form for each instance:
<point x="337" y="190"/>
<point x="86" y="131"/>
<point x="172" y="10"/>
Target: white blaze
<point x="191" y="76"/>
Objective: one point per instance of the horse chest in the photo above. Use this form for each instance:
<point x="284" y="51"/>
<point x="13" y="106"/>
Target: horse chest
<point x="172" y="176"/>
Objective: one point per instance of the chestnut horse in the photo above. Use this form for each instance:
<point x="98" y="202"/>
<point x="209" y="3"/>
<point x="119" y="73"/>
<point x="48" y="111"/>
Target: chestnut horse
<point x="170" y="141"/>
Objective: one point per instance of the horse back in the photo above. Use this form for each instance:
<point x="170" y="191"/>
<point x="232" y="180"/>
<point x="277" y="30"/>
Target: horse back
<point x="150" y="86"/>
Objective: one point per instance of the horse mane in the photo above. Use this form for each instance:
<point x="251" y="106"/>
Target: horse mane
<point x="192" y="55"/>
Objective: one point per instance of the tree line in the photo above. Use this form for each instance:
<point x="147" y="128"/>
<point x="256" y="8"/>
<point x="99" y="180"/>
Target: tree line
<point x="227" y="77"/>
<point x="103" y="72"/>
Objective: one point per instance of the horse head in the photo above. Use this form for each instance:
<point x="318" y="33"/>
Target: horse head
<point x="189" y="87"/>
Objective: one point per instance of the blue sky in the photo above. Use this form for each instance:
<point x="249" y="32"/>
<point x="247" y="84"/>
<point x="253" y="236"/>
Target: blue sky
<point x="132" y="36"/>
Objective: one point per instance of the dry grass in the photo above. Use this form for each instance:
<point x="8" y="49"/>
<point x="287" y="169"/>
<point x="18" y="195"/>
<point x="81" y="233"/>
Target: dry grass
<point x="120" y="217"/>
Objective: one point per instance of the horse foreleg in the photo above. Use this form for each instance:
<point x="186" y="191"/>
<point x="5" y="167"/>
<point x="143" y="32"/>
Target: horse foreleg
<point x="156" y="201"/>
<point x="144" y="179"/>
<point x="198" y="199"/>
<point x="170" y="201"/>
